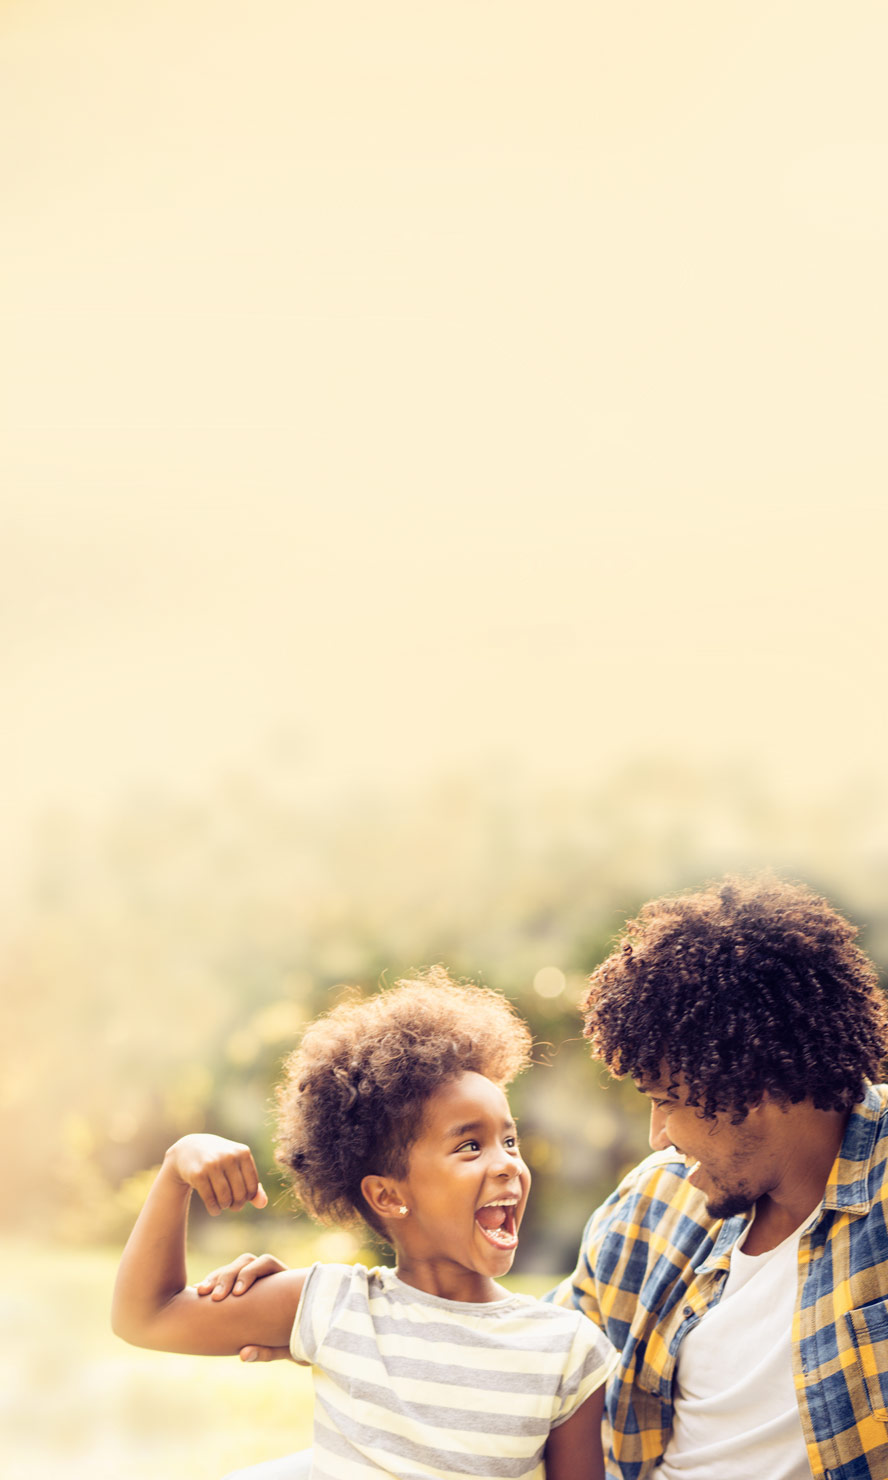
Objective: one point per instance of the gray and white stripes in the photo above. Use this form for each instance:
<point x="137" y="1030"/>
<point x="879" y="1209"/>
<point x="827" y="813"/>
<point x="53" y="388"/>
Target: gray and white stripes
<point x="421" y="1388"/>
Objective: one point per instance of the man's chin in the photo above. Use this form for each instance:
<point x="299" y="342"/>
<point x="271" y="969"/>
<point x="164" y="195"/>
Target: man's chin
<point x="729" y="1204"/>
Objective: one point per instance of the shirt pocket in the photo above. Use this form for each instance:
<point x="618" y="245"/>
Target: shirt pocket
<point x="868" y="1325"/>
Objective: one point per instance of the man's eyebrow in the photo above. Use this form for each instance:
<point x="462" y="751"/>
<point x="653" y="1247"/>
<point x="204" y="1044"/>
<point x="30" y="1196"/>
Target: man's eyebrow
<point x="656" y="1091"/>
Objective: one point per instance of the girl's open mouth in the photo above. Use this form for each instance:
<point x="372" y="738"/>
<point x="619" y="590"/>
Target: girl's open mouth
<point x="497" y="1222"/>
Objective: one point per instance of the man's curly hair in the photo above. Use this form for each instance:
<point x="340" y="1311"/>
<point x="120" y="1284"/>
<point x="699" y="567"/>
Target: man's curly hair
<point x="351" y="1100"/>
<point x="748" y="987"/>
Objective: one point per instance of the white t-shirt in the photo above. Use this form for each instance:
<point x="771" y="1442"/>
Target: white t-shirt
<point x="735" y="1410"/>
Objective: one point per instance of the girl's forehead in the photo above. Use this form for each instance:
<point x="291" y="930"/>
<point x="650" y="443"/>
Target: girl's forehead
<point x="463" y="1094"/>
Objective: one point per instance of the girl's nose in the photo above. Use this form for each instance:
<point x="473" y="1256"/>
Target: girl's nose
<point x="505" y="1164"/>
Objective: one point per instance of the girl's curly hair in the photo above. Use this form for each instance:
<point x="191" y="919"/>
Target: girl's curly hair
<point x="351" y="1100"/>
<point x="749" y="986"/>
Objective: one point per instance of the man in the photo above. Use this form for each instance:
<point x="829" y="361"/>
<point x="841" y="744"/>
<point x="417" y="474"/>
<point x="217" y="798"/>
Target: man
<point x="742" y="1270"/>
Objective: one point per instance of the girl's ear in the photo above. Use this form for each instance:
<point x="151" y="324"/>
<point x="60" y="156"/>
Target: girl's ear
<point x="382" y="1195"/>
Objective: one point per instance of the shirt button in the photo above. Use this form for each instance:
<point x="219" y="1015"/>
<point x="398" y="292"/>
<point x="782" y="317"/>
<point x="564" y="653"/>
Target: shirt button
<point x="688" y="1310"/>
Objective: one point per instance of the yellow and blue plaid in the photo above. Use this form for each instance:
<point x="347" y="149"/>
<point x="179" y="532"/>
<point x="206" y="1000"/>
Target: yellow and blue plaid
<point x="652" y="1262"/>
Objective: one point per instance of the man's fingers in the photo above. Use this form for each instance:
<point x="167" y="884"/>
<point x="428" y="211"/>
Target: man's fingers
<point x="219" y="1282"/>
<point x="264" y="1353"/>
<point x="240" y="1274"/>
<point x="256" y="1269"/>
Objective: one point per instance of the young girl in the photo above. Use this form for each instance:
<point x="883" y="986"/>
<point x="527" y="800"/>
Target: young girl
<point x="392" y="1110"/>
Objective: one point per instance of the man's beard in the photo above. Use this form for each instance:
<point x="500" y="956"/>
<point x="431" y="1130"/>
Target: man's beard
<point x="725" y="1204"/>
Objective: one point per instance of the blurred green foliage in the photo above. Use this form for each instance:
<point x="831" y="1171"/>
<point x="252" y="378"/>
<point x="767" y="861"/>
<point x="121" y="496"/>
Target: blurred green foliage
<point x="157" y="969"/>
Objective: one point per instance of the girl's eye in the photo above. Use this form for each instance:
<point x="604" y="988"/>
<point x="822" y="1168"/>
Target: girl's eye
<point x="512" y="1143"/>
<point x="469" y="1146"/>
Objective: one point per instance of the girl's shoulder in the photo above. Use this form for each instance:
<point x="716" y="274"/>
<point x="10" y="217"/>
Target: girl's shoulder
<point x="329" y="1292"/>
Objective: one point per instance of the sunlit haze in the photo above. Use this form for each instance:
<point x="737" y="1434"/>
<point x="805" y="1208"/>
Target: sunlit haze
<point x="442" y="505"/>
<point x="403" y="388"/>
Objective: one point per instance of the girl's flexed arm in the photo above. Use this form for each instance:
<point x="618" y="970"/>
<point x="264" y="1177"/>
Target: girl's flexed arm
<point x="152" y="1305"/>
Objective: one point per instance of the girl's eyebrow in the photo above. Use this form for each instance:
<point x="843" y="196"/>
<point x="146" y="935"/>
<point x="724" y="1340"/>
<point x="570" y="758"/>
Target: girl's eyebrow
<point x="477" y="1125"/>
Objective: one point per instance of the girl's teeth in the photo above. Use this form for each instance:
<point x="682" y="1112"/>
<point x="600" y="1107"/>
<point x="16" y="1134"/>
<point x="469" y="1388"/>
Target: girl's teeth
<point x="497" y="1221"/>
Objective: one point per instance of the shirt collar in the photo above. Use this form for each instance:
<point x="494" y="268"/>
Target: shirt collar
<point x="848" y="1187"/>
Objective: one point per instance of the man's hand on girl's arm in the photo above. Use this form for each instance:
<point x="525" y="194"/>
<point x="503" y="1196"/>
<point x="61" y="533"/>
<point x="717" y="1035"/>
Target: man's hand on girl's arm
<point x="235" y="1279"/>
<point x="239" y="1275"/>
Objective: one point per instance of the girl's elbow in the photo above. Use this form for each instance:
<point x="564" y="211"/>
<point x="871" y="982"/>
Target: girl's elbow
<point x="162" y="1327"/>
<point x="130" y="1326"/>
<point x="123" y="1325"/>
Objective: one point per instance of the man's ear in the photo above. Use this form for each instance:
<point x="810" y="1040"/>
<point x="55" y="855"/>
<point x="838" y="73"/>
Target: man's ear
<point x="383" y="1196"/>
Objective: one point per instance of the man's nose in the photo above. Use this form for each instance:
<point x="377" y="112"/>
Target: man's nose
<point x="657" y="1135"/>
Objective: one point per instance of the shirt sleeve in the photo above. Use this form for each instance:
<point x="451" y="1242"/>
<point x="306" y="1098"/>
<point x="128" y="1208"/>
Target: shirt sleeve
<point x="589" y="1362"/>
<point x="326" y="1289"/>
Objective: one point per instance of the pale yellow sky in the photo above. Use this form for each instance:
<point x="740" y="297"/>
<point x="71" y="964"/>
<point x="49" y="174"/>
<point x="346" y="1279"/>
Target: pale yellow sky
<point x="417" y="384"/>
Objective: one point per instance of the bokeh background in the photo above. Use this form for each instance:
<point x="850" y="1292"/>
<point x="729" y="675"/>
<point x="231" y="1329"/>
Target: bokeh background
<point x="444" y="504"/>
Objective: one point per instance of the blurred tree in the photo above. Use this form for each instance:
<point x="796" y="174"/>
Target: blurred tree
<point x="162" y="966"/>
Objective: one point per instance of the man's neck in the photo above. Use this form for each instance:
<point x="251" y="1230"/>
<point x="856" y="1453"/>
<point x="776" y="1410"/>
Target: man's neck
<point x="810" y="1142"/>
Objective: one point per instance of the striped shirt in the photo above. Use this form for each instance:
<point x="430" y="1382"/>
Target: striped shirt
<point x="414" y="1386"/>
<point x="652" y="1262"/>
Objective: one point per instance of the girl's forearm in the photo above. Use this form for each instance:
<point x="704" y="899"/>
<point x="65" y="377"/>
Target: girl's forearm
<point x="152" y="1269"/>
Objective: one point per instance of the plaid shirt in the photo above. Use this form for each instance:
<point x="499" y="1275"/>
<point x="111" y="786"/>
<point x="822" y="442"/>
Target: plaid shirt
<point x="652" y="1263"/>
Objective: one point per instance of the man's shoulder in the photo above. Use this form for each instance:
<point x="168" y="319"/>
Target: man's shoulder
<point x="661" y="1176"/>
<point x="876" y="1101"/>
<point x="878" y="1097"/>
<point x="654" y="1194"/>
<point x="861" y="1169"/>
<point x="654" y="1227"/>
<point x="669" y="1161"/>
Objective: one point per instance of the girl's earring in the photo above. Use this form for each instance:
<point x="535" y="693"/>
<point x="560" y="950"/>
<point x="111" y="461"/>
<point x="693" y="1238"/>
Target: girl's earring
<point x="403" y="1211"/>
